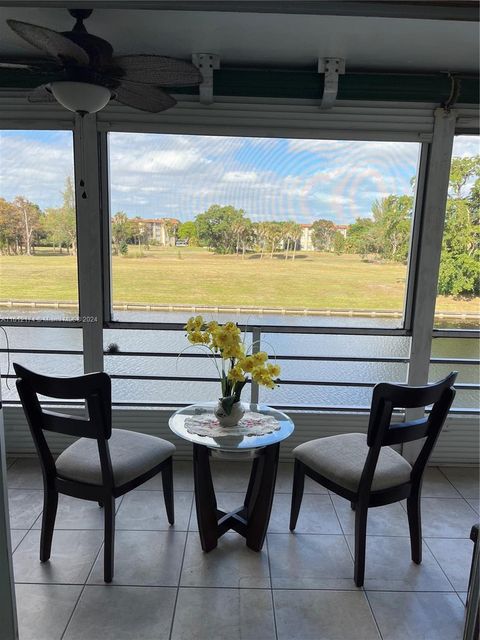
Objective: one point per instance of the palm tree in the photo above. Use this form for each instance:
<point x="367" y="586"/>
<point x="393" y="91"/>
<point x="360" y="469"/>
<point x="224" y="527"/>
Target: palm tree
<point x="295" y="235"/>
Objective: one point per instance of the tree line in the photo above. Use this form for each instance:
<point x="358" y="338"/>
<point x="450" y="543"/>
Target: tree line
<point x="23" y="225"/>
<point x="227" y="230"/>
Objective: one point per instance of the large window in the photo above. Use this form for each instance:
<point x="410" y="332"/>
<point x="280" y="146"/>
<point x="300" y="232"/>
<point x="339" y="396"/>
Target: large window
<point x="273" y="231"/>
<point x="38" y="264"/>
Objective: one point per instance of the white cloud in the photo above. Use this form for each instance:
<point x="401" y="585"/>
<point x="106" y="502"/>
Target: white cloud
<point x="36" y="168"/>
<point x="240" y="176"/>
<point x="185" y="174"/>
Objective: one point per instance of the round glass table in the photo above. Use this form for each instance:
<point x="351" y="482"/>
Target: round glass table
<point x="251" y="518"/>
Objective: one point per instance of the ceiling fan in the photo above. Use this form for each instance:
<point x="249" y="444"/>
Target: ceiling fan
<point x="90" y="75"/>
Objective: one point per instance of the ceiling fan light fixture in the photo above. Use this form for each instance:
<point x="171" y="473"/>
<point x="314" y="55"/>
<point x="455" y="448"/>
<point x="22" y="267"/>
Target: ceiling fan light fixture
<point x="80" y="97"/>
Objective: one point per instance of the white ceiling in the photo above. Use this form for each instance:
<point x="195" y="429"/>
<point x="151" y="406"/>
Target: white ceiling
<point x="285" y="41"/>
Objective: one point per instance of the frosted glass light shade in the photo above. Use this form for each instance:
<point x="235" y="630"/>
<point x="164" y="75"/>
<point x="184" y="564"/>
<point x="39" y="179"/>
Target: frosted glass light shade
<point x="80" y="97"/>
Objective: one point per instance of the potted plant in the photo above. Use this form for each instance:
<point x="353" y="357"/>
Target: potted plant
<point x="238" y="364"/>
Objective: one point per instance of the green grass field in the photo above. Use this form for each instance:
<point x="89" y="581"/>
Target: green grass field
<point x="187" y="275"/>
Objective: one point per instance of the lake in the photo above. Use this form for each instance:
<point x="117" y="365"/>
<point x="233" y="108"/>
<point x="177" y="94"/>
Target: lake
<point x="171" y="342"/>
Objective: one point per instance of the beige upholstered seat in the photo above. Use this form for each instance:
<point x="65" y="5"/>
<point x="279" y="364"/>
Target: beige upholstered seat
<point x="132" y="455"/>
<point x="341" y="459"/>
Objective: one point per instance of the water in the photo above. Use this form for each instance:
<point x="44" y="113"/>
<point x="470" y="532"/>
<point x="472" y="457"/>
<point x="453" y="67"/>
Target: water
<point x="170" y="342"/>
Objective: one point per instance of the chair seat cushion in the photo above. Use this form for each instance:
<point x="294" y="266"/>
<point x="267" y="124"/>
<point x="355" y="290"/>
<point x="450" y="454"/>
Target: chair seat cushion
<point x="341" y="459"/>
<point x="132" y="454"/>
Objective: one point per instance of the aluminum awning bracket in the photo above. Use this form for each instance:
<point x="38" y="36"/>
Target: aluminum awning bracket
<point x="206" y="63"/>
<point x="332" y="68"/>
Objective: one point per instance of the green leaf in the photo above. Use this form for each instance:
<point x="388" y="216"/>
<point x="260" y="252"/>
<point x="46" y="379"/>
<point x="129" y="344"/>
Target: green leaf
<point x="228" y="402"/>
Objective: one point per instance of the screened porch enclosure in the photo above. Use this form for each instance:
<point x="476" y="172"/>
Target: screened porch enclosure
<point x="332" y="352"/>
<point x="333" y="216"/>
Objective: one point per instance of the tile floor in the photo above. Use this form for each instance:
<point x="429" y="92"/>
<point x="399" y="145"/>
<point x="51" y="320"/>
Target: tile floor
<point x="299" y="587"/>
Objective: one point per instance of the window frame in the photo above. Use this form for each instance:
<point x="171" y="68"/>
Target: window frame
<point x="407" y="312"/>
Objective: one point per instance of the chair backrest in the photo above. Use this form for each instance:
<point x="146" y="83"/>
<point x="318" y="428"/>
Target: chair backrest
<point x="388" y="398"/>
<point x="93" y="388"/>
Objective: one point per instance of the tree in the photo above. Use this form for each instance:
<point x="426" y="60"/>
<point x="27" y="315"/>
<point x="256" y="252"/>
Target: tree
<point x="323" y="232"/>
<point x="30" y="220"/>
<point x="461" y="171"/>
<point x="392" y="217"/>
<point x="273" y="235"/>
<point x="188" y="231"/>
<point x="362" y="237"/>
<point x="459" y="273"/>
<point x="338" y="243"/>
<point x="261" y="232"/>
<point x="60" y="223"/>
<point x="10" y="227"/>
<point x="121" y="232"/>
<point x="171" y="227"/>
<point x="216" y="227"/>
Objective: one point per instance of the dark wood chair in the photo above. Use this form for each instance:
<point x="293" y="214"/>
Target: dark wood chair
<point x="365" y="470"/>
<point x="103" y="464"/>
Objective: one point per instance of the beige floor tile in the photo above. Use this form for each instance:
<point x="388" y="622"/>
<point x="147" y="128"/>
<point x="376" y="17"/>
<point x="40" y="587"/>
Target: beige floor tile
<point x="24" y="506"/>
<point x="464" y="479"/>
<point x="323" y="615"/>
<point x="122" y="613"/>
<point x="455" y="557"/>
<point x="305" y="561"/>
<point x="223" y="614"/>
<point x="25" y="473"/>
<point x="144" y="558"/>
<point x="73" y="555"/>
<point x="389" y="566"/>
<point x="389" y="520"/>
<point x="317" y="515"/>
<point x="231" y="564"/>
<point x="411" y="616"/>
<point x="73" y="513"/>
<point x="145" y="510"/>
<point x="447" y="518"/>
<point x="43" y="610"/>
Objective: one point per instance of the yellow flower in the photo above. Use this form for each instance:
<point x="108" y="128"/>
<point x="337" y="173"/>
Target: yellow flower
<point x="235" y="375"/>
<point x="196" y="337"/>
<point x="232" y="350"/>
<point x="259" y="358"/>
<point x="247" y="364"/>
<point x="195" y="323"/>
<point x="273" y="370"/>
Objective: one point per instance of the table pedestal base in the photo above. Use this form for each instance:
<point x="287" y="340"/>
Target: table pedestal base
<point x="249" y="520"/>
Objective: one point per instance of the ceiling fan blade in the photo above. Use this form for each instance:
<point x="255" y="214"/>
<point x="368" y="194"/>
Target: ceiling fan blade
<point x="151" y="69"/>
<point x="41" y="94"/>
<point x="49" y="41"/>
<point x="39" y="65"/>
<point x="145" y="98"/>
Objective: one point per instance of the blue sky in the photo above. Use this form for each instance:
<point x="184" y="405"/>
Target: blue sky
<point x="164" y="175"/>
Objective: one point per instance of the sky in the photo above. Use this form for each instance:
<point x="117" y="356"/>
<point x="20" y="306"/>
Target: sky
<point x="179" y="176"/>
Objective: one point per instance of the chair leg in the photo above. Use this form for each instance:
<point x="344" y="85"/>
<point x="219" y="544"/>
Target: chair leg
<point x="109" y="545"/>
<point x="415" y="526"/>
<point x="167" y="483"/>
<point x="50" y="502"/>
<point x="361" y="513"/>
<point x="297" y="493"/>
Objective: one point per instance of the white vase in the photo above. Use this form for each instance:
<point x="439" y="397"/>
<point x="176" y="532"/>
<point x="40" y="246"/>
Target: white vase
<point x="232" y="419"/>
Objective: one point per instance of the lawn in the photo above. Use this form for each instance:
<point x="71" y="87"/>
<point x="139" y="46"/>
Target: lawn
<point x="187" y="275"/>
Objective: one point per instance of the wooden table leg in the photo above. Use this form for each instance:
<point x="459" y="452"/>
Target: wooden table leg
<point x="260" y="496"/>
<point x="205" y="500"/>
